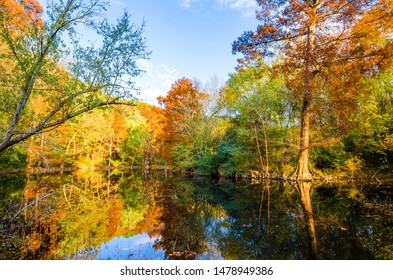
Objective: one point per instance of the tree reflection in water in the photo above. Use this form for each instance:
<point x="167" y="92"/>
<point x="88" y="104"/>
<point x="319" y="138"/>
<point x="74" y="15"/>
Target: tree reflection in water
<point x="141" y="215"/>
<point x="305" y="199"/>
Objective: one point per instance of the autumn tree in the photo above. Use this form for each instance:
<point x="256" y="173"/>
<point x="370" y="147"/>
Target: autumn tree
<point x="256" y="99"/>
<point x="155" y="120"/>
<point x="325" y="48"/>
<point x="22" y="16"/>
<point x="72" y="79"/>
<point x="183" y="106"/>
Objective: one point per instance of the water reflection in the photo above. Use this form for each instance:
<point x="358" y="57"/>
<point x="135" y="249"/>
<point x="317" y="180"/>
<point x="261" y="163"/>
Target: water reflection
<point x="139" y="247"/>
<point x="139" y="215"/>
<point x="305" y="199"/>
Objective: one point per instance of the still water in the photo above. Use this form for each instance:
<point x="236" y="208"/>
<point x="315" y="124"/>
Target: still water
<point x="140" y="215"/>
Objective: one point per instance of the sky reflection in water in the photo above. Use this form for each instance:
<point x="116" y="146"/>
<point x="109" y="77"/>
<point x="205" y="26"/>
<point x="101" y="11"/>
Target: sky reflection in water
<point x="139" y="247"/>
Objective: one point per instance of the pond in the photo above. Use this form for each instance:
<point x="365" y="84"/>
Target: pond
<point x="148" y="215"/>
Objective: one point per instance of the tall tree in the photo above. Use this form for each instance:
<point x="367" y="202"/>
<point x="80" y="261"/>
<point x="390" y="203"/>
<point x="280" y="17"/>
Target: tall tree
<point x="72" y="79"/>
<point x="184" y="104"/>
<point x="258" y="100"/>
<point x="322" y="44"/>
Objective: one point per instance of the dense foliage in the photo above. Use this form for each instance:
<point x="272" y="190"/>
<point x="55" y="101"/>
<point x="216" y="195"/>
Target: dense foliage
<point x="321" y="107"/>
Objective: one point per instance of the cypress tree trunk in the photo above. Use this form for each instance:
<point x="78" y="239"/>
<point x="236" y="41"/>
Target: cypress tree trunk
<point x="302" y="172"/>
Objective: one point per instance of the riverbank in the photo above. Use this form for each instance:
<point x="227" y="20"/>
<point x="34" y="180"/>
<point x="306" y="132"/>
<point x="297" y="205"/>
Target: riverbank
<point x="374" y="176"/>
<point x="59" y="169"/>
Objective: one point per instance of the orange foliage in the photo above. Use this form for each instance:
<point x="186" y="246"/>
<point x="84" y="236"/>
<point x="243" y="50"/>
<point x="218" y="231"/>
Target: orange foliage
<point x="119" y="123"/>
<point x="43" y="238"/>
<point x="326" y="47"/>
<point x="114" y="216"/>
<point x="329" y="44"/>
<point x="151" y="223"/>
<point x="155" y="119"/>
<point x="43" y="228"/>
<point x="182" y="103"/>
<point x="19" y="16"/>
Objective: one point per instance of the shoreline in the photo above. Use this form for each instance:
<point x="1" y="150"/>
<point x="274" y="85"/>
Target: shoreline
<point x="372" y="177"/>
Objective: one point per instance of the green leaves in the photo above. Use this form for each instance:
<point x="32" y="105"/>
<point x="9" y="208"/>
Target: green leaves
<point x="258" y="103"/>
<point x="255" y="93"/>
<point x="112" y="65"/>
<point x="91" y="77"/>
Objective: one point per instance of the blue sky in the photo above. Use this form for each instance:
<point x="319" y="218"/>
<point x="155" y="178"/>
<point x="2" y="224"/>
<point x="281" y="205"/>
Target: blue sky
<point x="188" y="38"/>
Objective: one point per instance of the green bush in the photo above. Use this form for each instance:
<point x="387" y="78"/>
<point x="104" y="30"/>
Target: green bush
<point x="13" y="158"/>
<point x="328" y="159"/>
<point x="208" y="165"/>
<point x="184" y="157"/>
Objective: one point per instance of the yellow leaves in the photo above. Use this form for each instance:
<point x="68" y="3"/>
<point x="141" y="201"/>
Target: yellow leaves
<point x="40" y="105"/>
<point x="353" y="164"/>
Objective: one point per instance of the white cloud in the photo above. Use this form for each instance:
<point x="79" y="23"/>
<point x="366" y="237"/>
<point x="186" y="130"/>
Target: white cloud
<point x="242" y="4"/>
<point x="157" y="80"/>
<point x="167" y="75"/>
<point x="145" y="65"/>
<point x="185" y="3"/>
<point x="118" y="3"/>
<point x="247" y="7"/>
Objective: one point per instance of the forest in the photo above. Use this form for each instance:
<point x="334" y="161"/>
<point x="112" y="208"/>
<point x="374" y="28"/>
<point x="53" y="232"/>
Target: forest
<point x="311" y="100"/>
<point x="312" y="97"/>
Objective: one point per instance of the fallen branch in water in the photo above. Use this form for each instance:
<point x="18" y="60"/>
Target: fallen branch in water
<point x="28" y="205"/>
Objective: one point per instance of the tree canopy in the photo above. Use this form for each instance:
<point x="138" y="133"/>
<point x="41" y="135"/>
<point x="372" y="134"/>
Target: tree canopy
<point x="323" y="44"/>
<point x="46" y="64"/>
